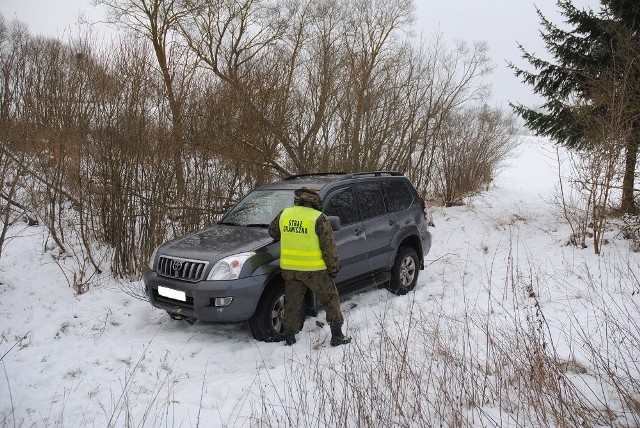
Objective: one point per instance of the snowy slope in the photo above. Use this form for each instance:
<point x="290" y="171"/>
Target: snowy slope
<point x="106" y="358"/>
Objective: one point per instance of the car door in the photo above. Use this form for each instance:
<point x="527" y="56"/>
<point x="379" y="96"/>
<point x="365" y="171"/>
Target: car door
<point x="379" y="226"/>
<point x="351" y="237"/>
<point x="398" y="198"/>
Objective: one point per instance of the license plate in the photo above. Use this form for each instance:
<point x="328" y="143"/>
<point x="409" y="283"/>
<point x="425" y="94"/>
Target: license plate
<point x="172" y="294"/>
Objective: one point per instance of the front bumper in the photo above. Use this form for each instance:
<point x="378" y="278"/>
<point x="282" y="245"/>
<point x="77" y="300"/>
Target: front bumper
<point x="200" y="297"/>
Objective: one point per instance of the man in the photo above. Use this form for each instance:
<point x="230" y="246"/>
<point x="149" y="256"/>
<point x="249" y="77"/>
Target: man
<point x="308" y="258"/>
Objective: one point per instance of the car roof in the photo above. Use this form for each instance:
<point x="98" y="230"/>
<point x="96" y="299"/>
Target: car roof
<point x="319" y="180"/>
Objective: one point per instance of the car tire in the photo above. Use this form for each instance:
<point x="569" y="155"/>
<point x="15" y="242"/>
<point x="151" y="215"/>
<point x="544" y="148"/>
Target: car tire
<point x="266" y="323"/>
<point x="404" y="273"/>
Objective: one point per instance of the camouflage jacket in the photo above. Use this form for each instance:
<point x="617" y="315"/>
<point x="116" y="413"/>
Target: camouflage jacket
<point x="326" y="237"/>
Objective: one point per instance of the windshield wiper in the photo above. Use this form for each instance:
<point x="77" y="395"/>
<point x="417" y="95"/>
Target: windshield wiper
<point x="257" y="225"/>
<point x="228" y="223"/>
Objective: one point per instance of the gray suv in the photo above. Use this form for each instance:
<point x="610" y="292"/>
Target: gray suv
<point x="230" y="271"/>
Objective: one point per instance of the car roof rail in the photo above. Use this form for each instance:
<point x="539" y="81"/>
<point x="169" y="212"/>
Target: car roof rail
<point x="314" y="174"/>
<point x="346" y="174"/>
<point x="378" y="173"/>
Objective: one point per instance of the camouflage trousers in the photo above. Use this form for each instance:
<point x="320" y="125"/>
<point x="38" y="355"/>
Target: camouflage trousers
<point x="295" y="287"/>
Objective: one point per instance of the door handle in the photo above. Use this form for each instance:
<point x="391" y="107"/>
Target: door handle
<point x="358" y="232"/>
<point x="393" y="222"/>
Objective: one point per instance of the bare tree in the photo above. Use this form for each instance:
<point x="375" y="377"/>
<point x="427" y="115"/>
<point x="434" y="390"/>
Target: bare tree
<point x="156" y="21"/>
<point x="473" y="144"/>
<point x="600" y="171"/>
<point x="10" y="209"/>
<point x="241" y="42"/>
<point x="373" y="41"/>
<point x="253" y="88"/>
<point x="453" y="80"/>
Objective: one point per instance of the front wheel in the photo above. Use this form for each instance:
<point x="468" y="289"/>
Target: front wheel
<point x="266" y="323"/>
<point x="404" y="273"/>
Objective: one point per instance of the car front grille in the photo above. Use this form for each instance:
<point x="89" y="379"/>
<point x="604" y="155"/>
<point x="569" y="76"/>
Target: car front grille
<point x="184" y="269"/>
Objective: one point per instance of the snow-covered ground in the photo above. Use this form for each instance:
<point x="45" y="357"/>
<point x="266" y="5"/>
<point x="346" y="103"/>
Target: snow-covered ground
<point x="105" y="358"/>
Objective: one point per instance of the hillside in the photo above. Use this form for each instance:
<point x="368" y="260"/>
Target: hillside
<point x="508" y="326"/>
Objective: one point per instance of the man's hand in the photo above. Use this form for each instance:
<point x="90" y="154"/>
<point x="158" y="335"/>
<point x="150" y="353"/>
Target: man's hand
<point x="274" y="228"/>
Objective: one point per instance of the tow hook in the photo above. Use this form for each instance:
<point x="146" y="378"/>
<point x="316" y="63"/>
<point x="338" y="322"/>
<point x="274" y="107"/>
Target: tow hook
<point x="180" y="317"/>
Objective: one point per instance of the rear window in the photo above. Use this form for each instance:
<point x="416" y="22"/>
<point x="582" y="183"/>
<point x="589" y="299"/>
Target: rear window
<point x="397" y="195"/>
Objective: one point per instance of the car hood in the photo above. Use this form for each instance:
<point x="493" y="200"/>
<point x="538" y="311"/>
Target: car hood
<point x="216" y="242"/>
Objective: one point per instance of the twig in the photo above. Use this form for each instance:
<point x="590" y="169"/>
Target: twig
<point x="204" y="377"/>
<point x="6" y="376"/>
<point x="14" y="345"/>
<point x="12" y="202"/>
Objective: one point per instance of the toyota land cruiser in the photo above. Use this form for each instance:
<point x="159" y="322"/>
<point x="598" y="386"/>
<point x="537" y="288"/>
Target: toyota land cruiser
<point x="230" y="271"/>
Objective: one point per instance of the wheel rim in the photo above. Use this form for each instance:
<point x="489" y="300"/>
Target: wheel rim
<point x="407" y="271"/>
<point x="277" y="313"/>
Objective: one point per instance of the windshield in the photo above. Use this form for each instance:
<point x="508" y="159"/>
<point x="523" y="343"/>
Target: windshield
<point x="259" y="207"/>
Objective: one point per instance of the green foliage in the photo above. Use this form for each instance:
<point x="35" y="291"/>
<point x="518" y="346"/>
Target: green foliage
<point x="592" y="88"/>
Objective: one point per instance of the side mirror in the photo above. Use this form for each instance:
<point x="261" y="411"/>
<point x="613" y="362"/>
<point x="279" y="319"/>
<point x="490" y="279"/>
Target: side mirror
<point x="336" y="224"/>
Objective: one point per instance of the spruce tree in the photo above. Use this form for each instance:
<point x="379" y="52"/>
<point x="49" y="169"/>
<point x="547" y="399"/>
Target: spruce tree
<point x="596" y="64"/>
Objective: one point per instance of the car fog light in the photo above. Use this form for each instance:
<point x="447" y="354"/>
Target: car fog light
<point x="223" y="301"/>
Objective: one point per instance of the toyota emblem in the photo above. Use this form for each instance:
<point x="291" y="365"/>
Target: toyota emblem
<point x="177" y="265"/>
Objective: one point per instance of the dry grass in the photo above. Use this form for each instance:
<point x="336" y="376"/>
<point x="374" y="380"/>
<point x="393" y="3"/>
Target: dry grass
<point x="498" y="359"/>
<point x="505" y="364"/>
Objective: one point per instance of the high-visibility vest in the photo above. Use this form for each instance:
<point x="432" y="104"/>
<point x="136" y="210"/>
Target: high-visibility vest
<point x="299" y="243"/>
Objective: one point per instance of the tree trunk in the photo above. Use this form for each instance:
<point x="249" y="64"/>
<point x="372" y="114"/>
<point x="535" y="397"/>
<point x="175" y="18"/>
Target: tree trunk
<point x="631" y="157"/>
<point x="176" y="142"/>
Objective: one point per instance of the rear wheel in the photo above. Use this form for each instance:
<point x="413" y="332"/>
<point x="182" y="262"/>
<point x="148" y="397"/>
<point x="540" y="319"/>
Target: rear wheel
<point x="266" y="323"/>
<point x="404" y="273"/>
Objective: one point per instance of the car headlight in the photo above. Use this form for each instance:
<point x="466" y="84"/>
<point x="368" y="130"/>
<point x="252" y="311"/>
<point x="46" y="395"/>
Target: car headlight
<point x="229" y="267"/>
<point x="153" y="258"/>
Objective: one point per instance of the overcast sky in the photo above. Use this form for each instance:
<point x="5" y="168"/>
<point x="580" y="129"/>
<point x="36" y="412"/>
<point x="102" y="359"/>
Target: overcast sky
<point x="501" y="23"/>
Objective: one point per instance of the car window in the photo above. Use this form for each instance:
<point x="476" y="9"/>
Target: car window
<point x="370" y="199"/>
<point x="342" y="203"/>
<point x="397" y="196"/>
<point x="259" y="207"/>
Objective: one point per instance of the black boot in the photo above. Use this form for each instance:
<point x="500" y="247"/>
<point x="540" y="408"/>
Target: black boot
<point x="289" y="338"/>
<point x="337" y="338"/>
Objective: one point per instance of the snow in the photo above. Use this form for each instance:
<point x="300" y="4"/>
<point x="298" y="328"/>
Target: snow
<point x="106" y="358"/>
